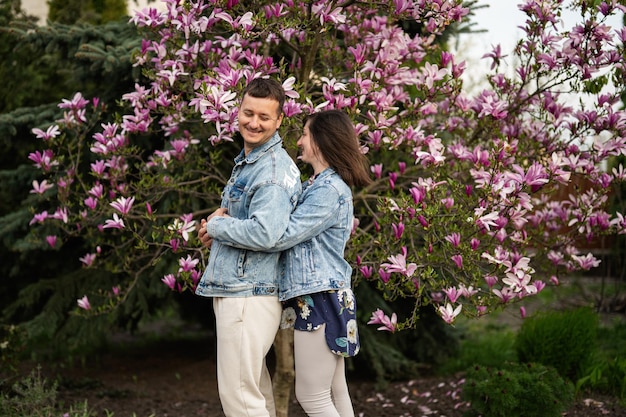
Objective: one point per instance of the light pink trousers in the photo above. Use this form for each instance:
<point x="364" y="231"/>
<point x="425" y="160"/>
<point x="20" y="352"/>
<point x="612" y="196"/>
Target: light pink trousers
<point x="246" y="328"/>
<point x="321" y="387"/>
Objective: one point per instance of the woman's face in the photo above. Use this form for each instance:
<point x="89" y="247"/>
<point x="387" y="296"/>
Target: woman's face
<point x="309" y="151"/>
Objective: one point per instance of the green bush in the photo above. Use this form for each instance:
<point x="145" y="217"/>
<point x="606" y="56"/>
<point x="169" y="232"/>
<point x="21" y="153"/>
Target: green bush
<point x="31" y="396"/>
<point x="528" y="390"/>
<point x="34" y="396"/>
<point x="608" y="377"/>
<point x="564" y="340"/>
<point x="487" y="346"/>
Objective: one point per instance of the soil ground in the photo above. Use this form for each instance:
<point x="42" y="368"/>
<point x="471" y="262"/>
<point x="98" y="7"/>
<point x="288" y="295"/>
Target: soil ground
<point x="178" y="379"/>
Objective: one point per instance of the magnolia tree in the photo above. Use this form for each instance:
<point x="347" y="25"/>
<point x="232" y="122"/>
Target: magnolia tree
<point x="468" y="211"/>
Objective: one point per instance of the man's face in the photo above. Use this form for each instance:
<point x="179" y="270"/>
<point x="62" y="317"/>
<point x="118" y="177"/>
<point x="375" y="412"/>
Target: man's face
<point x="259" y="119"/>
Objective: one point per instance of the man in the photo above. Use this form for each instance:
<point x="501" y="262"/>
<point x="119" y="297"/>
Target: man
<point x="261" y="193"/>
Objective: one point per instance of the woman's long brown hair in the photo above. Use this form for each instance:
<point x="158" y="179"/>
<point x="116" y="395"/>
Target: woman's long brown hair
<point x="335" y="136"/>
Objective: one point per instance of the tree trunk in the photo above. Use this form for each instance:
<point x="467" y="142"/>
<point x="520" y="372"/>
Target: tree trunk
<point x="285" y="371"/>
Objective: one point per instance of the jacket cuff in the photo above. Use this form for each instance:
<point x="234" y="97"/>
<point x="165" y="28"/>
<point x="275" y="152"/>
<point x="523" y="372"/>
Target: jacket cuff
<point x="212" y="226"/>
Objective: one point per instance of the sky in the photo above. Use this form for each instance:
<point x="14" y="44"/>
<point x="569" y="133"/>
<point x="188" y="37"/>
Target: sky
<point x="501" y="20"/>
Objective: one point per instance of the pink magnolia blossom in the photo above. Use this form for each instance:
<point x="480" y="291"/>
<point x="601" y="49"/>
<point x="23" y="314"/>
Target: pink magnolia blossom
<point x="522" y="312"/>
<point x="39" y="218"/>
<point x="187" y="264"/>
<point x="115" y="223"/>
<point x="467" y="292"/>
<point x="458" y="260"/>
<point x="366" y="271"/>
<point x="88" y="259"/>
<point x="418" y="194"/>
<point x="392" y="180"/>
<point x="377" y="170"/>
<point x="77" y="102"/>
<point x="170" y="281"/>
<point x="91" y="202"/>
<point x="397" y="263"/>
<point x="84" y="303"/>
<point x="423" y="221"/>
<point x="40" y="188"/>
<point x="454" y="239"/>
<point x="183" y="225"/>
<point x="97" y="191"/>
<point x="123" y="204"/>
<point x="384" y="275"/>
<point x="50" y="133"/>
<point x="448" y="312"/>
<point x="43" y="160"/>
<point x="587" y="261"/>
<point x="505" y="295"/>
<point x="452" y="293"/>
<point x="388" y="324"/>
<point x="448" y="202"/>
<point x="327" y="15"/>
<point x="398" y="229"/>
<point x="491" y="280"/>
<point x="52" y="240"/>
<point x="62" y="214"/>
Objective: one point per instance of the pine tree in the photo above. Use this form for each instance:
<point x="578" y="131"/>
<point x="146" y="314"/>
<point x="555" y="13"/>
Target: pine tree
<point x="42" y="66"/>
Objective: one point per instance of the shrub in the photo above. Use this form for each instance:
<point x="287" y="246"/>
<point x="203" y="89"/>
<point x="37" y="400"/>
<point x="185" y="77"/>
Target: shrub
<point x="34" y="396"/>
<point x="528" y="390"/>
<point x="487" y="346"/>
<point x="31" y="396"/>
<point x="608" y="377"/>
<point x="565" y="340"/>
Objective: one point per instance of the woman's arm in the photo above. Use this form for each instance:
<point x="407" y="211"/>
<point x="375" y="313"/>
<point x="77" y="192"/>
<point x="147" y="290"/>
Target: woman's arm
<point x="310" y="218"/>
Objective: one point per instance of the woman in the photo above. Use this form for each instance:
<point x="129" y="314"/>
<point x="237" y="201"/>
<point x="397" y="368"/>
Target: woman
<point x="315" y="282"/>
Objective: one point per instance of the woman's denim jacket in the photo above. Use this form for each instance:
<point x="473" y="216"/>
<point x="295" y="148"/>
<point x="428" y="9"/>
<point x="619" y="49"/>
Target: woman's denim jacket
<point x="260" y="195"/>
<point x="314" y="243"/>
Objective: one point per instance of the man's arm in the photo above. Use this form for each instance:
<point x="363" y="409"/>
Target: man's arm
<point x="309" y="219"/>
<point x="267" y="220"/>
<point x="203" y="235"/>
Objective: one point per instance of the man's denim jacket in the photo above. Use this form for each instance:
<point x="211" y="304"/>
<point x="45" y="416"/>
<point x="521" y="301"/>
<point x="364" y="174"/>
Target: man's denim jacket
<point x="261" y="193"/>
<point x="315" y="241"/>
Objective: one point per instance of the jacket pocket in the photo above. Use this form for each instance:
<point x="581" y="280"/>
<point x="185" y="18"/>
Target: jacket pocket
<point x="236" y="196"/>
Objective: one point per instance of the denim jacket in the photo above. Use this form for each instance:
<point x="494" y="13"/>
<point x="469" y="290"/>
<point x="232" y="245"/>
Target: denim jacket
<point x="263" y="189"/>
<point x="314" y="243"/>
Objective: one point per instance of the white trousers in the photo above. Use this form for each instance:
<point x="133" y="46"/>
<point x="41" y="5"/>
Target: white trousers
<point x="321" y="387"/>
<point x="246" y="328"/>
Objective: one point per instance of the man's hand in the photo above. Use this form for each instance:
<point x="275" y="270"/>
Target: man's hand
<point x="220" y="212"/>
<point x="203" y="235"/>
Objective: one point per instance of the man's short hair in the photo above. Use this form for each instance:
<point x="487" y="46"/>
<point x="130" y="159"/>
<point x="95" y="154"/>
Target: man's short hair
<point x="266" y="88"/>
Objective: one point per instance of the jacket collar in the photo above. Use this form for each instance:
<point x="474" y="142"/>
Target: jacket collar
<point x="324" y="174"/>
<point x="259" y="151"/>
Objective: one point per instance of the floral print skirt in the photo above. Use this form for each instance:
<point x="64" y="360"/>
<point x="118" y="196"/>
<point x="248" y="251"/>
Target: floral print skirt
<point x="336" y="308"/>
